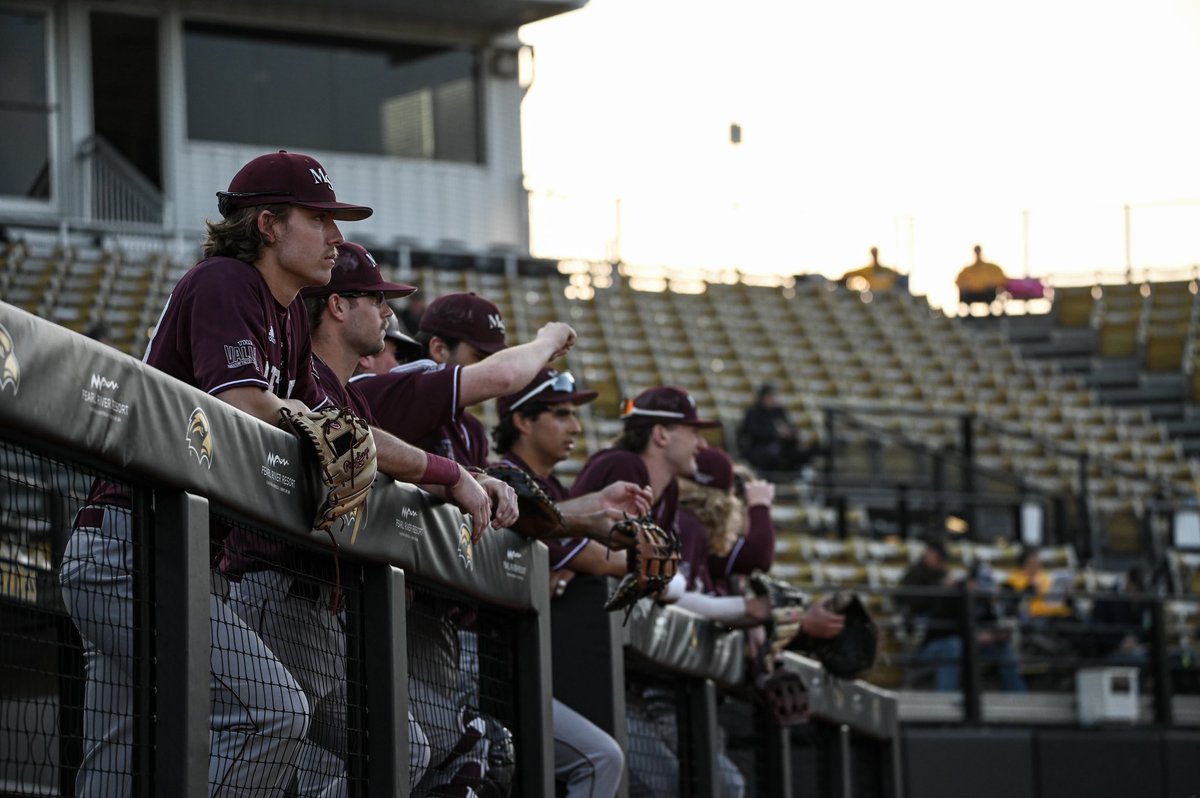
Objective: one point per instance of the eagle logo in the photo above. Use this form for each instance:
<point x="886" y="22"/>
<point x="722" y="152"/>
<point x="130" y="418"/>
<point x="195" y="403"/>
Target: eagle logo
<point x="199" y="438"/>
<point x="10" y="368"/>
<point x="466" y="546"/>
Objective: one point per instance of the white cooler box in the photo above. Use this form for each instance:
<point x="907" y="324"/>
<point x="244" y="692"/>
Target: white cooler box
<point x="1107" y="694"/>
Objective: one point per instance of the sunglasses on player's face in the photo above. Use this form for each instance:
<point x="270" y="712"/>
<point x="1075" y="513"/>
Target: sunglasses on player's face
<point x="559" y="382"/>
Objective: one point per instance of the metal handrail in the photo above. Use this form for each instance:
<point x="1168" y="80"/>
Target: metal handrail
<point x="116" y="190"/>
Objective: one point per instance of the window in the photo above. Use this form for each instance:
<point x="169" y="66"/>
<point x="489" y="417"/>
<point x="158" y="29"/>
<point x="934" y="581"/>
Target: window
<point x="24" y="106"/>
<point x="307" y="92"/>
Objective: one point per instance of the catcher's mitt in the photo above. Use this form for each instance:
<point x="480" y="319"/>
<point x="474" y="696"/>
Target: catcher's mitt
<point x="346" y="453"/>
<point x="649" y="564"/>
<point x="852" y="652"/>
<point x="540" y="518"/>
<point x="787" y="607"/>
<point x="784" y="695"/>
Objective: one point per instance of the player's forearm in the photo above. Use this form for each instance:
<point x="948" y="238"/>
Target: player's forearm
<point x="259" y="402"/>
<point x="582" y="505"/>
<point x="596" y="559"/>
<point x="504" y="372"/>
<point x="729" y="610"/>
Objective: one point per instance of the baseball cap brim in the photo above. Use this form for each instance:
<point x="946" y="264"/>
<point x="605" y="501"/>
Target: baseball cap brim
<point x="486" y="348"/>
<point x="575" y="397"/>
<point x="340" y="211"/>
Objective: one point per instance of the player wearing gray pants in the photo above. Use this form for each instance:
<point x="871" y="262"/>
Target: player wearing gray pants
<point x="586" y="759"/>
<point x="259" y="714"/>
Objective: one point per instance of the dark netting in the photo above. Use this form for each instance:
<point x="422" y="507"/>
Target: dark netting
<point x="289" y="703"/>
<point x="462" y="696"/>
<point x="870" y="766"/>
<point x="814" y="752"/>
<point x="653" y="707"/>
<point x="52" y="717"/>
<point x="744" y="730"/>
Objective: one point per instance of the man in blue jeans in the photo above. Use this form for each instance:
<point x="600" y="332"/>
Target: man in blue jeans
<point x="942" y="646"/>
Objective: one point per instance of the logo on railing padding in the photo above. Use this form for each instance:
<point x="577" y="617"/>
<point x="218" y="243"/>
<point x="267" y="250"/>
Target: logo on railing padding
<point x="199" y="438"/>
<point x="10" y="367"/>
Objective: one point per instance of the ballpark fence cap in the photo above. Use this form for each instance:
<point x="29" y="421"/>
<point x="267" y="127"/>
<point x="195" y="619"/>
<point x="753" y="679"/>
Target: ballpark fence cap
<point x="286" y="177"/>
<point x="466" y="317"/>
<point x="356" y="272"/>
<point x="549" y="387"/>
<point x="665" y="404"/>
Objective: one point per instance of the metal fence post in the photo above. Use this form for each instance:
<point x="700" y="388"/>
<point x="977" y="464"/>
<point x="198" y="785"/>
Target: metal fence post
<point x="972" y="706"/>
<point x="182" y="583"/>
<point x="699" y="723"/>
<point x="385" y="670"/>
<point x="534" y="679"/>
<point x="1160" y="664"/>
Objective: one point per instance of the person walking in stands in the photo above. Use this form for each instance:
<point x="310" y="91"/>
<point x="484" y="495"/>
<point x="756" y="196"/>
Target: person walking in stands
<point x="234" y="327"/>
<point x="295" y="608"/>
<point x="537" y="430"/>
<point x="980" y="281"/>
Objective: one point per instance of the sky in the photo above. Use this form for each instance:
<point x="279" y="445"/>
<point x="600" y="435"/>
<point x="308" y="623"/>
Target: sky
<point x="923" y="127"/>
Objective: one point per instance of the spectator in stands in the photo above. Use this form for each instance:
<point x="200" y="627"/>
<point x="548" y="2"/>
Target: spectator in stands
<point x="767" y="438"/>
<point x="940" y="613"/>
<point x="278" y="234"/>
<point x="875" y="277"/>
<point x="980" y="281"/>
<point x="1042" y="596"/>
<point x="412" y="312"/>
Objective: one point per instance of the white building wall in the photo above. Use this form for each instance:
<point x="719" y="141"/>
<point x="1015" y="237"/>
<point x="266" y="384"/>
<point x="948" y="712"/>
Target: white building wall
<point x="426" y="204"/>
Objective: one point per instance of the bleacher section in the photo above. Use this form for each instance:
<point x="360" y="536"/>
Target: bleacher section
<point x="887" y="360"/>
<point x="1134" y="344"/>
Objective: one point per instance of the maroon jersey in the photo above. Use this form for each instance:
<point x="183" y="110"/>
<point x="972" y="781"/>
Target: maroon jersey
<point x="247" y="551"/>
<point x="419" y="403"/>
<point x="614" y="465"/>
<point x="221" y="328"/>
<point x="693" y="552"/>
<point x="413" y="401"/>
<point x="754" y="552"/>
<point x="562" y="550"/>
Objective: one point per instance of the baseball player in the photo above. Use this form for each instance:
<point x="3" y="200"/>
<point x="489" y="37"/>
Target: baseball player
<point x="425" y="402"/>
<point x="537" y="430"/>
<point x="234" y="326"/>
<point x="294" y="610"/>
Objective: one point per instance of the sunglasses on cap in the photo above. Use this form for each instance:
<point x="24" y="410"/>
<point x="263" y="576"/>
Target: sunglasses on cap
<point x="225" y="199"/>
<point x="629" y="409"/>
<point x="561" y="382"/>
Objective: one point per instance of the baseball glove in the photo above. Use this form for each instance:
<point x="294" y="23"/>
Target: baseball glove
<point x="852" y="652"/>
<point x="783" y="693"/>
<point x="540" y="518"/>
<point x="345" y="451"/>
<point x="787" y="607"/>
<point x="649" y="564"/>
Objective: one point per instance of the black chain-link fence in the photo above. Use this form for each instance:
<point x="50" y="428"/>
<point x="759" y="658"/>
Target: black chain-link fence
<point x="73" y="679"/>
<point x="462" y="697"/>
<point x="288" y="696"/>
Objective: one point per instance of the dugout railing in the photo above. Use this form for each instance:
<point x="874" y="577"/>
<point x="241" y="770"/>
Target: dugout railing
<point x="193" y="468"/>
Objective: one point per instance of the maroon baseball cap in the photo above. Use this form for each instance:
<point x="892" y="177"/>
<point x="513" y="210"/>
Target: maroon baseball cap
<point x="466" y="317"/>
<point x="549" y="387"/>
<point x="665" y="404"/>
<point x="714" y="469"/>
<point x="286" y="177"/>
<point x="356" y="272"/>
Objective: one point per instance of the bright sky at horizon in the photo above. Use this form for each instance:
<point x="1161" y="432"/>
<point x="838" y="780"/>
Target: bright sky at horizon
<point x="922" y="127"/>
